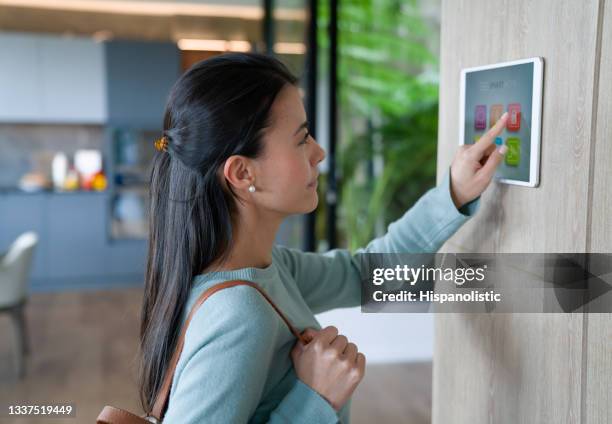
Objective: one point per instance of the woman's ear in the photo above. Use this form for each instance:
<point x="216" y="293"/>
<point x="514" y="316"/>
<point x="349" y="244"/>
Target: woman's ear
<point x="238" y="172"/>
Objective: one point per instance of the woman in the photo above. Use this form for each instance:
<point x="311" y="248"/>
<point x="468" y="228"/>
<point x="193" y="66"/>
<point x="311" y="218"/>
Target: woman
<point x="236" y="159"/>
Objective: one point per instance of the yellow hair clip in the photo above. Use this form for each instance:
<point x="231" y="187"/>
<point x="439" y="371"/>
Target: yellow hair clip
<point x="161" y="144"/>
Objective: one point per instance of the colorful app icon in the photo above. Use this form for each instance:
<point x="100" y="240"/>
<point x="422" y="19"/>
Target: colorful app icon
<point x="499" y="141"/>
<point x="514" y="120"/>
<point x="496" y="112"/>
<point x="513" y="154"/>
<point x="480" y="117"/>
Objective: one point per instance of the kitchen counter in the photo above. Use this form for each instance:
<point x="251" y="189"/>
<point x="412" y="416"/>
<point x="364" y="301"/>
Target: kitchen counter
<point x="17" y="190"/>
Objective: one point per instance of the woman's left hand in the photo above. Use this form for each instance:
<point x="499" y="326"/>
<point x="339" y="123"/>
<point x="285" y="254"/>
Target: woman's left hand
<point x="474" y="165"/>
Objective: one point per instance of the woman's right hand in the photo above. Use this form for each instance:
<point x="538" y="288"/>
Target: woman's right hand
<point x="329" y="364"/>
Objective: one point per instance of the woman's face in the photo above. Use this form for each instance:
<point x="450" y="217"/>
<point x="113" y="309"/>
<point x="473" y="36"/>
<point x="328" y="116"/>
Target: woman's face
<point x="286" y="173"/>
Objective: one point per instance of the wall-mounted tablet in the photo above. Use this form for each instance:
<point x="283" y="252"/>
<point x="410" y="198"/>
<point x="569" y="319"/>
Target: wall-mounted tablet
<point x="489" y="91"/>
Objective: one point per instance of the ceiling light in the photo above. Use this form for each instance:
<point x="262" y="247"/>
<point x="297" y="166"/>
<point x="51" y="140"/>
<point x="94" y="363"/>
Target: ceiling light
<point x="289" y="48"/>
<point x="214" y="45"/>
<point x="158" y="8"/>
<point x="102" y="35"/>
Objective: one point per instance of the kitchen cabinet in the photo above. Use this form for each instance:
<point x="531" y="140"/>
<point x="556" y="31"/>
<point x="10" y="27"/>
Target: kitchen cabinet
<point x="74" y="250"/>
<point x="140" y="75"/>
<point x="20" y="213"/>
<point x="76" y="234"/>
<point x="54" y="79"/>
<point x="126" y="258"/>
<point x="51" y="79"/>
<point x="73" y="80"/>
<point x="20" y="78"/>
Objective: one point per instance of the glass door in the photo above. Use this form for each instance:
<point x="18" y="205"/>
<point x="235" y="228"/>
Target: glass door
<point x="131" y="155"/>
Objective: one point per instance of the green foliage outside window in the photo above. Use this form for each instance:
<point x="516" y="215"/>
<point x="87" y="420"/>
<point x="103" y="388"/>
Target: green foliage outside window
<point x="388" y="112"/>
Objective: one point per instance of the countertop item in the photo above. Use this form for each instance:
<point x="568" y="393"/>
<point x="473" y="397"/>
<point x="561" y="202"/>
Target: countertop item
<point x="33" y="181"/>
<point x="17" y="190"/>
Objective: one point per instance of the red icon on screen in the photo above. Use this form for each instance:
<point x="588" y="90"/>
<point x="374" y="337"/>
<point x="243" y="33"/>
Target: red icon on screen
<point x="480" y="117"/>
<point x="514" y="118"/>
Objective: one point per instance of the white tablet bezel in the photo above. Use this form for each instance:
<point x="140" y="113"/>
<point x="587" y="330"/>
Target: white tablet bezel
<point x="536" y="115"/>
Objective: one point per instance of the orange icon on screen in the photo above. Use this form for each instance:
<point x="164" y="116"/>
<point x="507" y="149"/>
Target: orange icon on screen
<point x="496" y="112"/>
<point x="514" y="120"/>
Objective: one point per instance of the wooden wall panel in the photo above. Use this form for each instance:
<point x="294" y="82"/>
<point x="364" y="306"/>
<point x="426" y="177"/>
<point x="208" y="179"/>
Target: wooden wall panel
<point x="597" y="396"/>
<point x="477" y="32"/>
<point x="522" y="368"/>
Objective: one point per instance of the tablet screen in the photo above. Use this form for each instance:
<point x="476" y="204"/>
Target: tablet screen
<point x="488" y="94"/>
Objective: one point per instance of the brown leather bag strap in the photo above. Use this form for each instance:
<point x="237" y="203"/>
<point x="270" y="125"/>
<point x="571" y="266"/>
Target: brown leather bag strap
<point x="162" y="396"/>
<point x="112" y="415"/>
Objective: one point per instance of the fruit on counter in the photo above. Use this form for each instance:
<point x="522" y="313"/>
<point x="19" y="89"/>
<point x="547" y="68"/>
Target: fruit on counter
<point x="86" y="181"/>
<point x="71" y="182"/>
<point x="88" y="163"/>
<point x="98" y="182"/>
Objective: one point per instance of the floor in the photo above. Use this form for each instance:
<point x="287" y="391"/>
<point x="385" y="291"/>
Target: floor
<point x="83" y="352"/>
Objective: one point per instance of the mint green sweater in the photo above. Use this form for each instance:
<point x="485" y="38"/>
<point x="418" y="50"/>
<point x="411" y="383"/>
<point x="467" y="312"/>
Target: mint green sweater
<point x="236" y="366"/>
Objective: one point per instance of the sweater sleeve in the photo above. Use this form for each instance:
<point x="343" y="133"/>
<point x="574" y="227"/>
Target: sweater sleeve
<point x="224" y="365"/>
<point x="333" y="280"/>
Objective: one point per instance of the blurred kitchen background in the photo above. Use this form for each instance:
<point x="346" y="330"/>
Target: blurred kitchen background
<point x="83" y="86"/>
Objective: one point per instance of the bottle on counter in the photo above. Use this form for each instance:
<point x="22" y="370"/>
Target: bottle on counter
<point x="59" y="170"/>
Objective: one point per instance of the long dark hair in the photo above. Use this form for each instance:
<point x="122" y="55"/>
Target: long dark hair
<point x="216" y="109"/>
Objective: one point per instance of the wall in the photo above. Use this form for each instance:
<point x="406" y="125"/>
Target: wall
<point x="385" y="337"/>
<point x="544" y="368"/>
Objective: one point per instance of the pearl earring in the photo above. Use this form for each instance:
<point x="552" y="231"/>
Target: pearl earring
<point x="252" y="188"/>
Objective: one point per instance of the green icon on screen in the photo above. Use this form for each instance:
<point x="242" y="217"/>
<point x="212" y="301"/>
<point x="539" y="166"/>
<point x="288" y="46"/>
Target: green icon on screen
<point x="514" y="151"/>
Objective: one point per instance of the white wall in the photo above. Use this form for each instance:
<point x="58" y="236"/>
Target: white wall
<point x="384" y="338"/>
